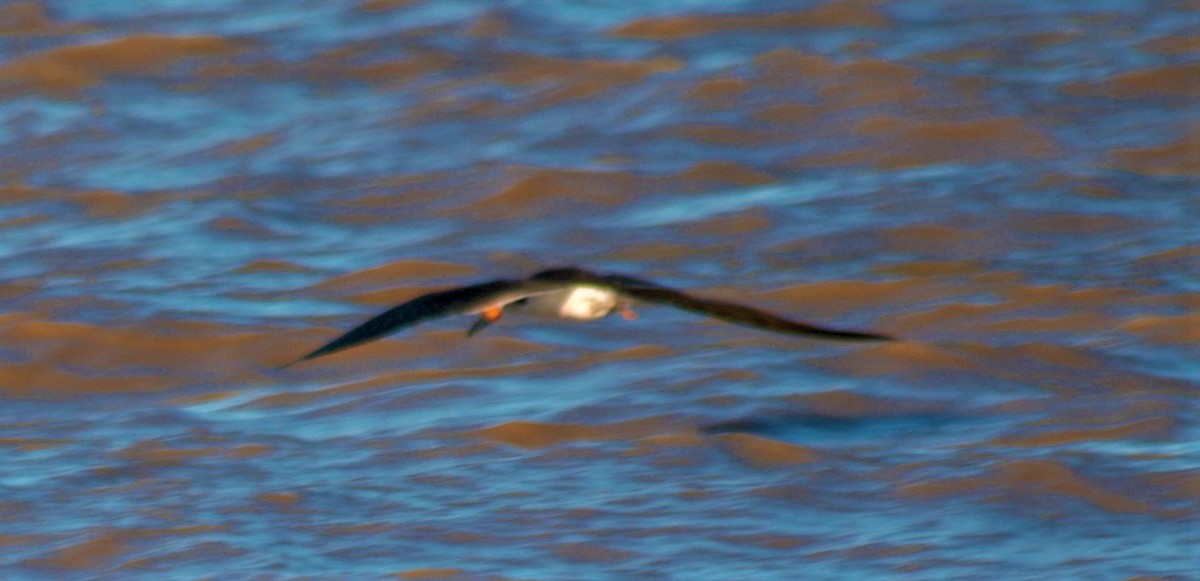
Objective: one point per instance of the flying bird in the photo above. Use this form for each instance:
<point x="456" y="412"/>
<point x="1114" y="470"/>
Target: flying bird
<point x="567" y="293"/>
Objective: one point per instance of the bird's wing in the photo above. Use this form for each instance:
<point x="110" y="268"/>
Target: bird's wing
<point x="572" y="275"/>
<point x="739" y="314"/>
<point x="621" y="282"/>
<point x="434" y="305"/>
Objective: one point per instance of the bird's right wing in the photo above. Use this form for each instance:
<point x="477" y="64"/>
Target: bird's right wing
<point x="423" y="308"/>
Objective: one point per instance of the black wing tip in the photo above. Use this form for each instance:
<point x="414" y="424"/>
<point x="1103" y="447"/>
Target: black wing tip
<point x="312" y="355"/>
<point x="867" y="336"/>
<point x="846" y="334"/>
<point x="333" y="347"/>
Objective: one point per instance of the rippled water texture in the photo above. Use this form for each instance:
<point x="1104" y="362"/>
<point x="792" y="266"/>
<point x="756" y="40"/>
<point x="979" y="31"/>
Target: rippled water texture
<point x="194" y="193"/>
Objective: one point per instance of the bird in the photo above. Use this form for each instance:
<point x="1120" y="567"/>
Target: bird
<point x="567" y="293"/>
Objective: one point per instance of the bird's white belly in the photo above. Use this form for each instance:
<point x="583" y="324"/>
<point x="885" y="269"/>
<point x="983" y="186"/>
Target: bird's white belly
<point x="577" y="303"/>
<point x="587" y="303"/>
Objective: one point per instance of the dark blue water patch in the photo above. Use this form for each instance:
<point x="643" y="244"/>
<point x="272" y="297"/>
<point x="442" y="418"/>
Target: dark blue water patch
<point x="817" y="429"/>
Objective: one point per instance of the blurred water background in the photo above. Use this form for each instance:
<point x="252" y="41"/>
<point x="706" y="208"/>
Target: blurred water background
<point x="194" y="193"/>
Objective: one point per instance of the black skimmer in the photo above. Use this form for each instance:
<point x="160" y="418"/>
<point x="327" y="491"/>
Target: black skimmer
<point x="567" y="293"/>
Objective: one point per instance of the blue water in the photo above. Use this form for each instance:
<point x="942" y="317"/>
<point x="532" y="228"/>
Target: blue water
<point x="1009" y="187"/>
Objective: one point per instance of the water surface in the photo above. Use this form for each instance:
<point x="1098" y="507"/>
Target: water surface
<point x="194" y="194"/>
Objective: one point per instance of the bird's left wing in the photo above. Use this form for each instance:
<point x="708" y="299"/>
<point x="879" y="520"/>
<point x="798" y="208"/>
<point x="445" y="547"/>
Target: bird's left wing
<point x="738" y="314"/>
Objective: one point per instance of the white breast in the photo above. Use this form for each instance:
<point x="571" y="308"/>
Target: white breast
<point x="587" y="303"/>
